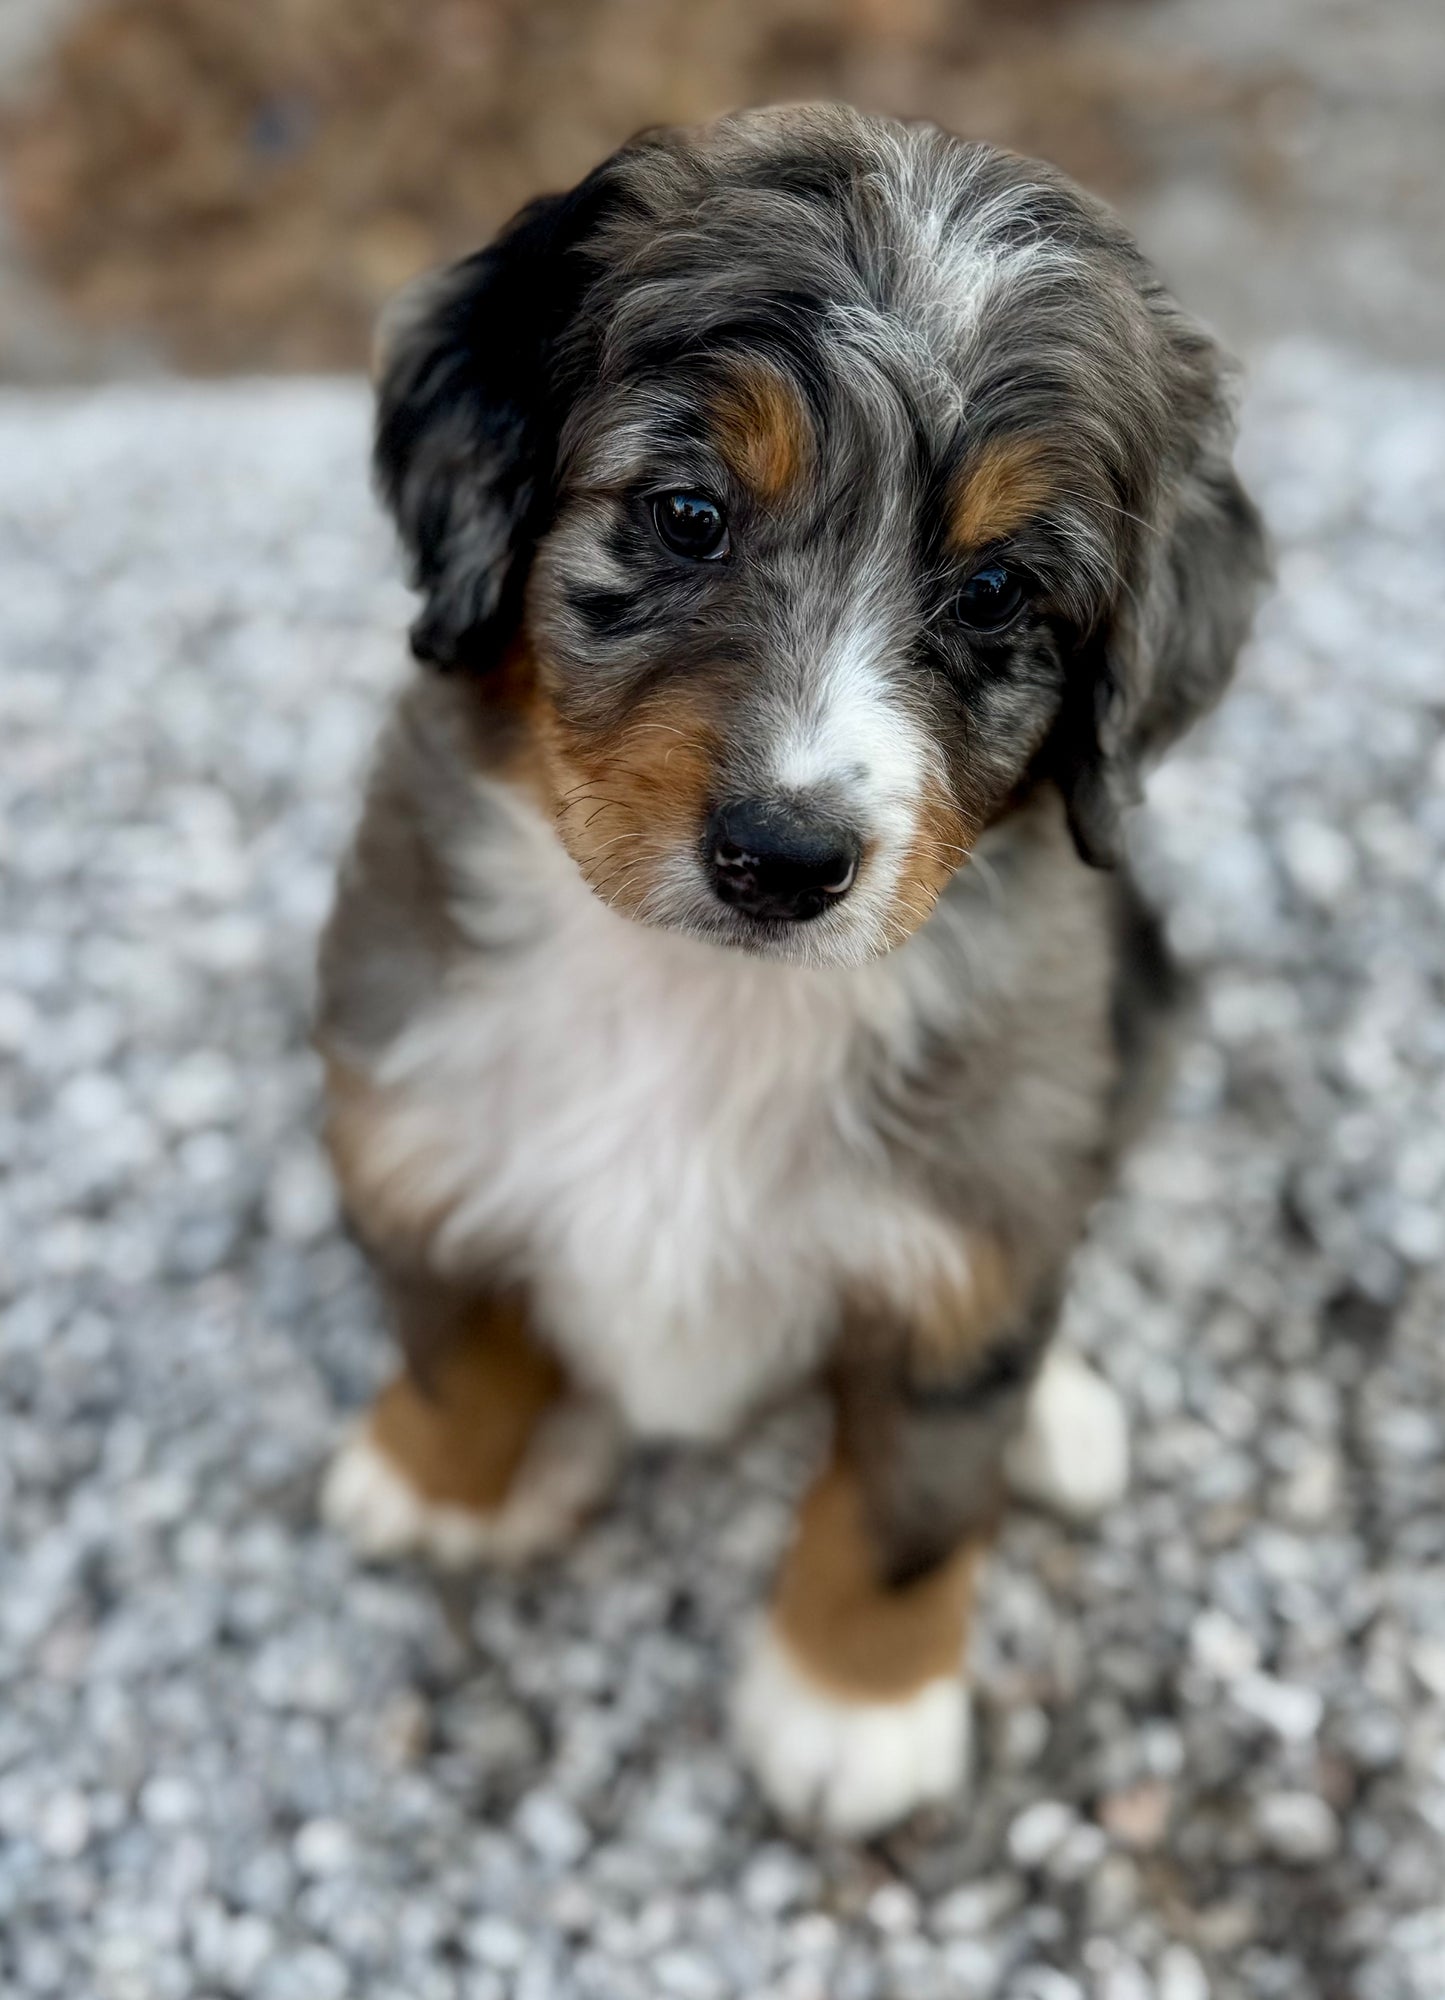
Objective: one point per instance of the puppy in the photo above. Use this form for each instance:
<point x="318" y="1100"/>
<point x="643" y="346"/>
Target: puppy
<point x="818" y="521"/>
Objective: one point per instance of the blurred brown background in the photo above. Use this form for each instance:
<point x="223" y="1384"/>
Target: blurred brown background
<point x="237" y="184"/>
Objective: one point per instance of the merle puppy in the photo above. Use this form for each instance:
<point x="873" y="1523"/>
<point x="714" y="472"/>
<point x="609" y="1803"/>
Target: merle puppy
<point x="818" y="522"/>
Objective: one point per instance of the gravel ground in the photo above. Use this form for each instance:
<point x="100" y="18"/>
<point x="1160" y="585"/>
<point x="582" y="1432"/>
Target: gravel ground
<point x="231" y="1763"/>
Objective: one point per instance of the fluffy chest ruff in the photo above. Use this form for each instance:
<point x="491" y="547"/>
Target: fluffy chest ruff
<point x="662" y="1140"/>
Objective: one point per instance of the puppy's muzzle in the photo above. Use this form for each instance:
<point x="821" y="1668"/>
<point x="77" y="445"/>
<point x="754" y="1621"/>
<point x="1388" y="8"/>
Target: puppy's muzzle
<point x="776" y="863"/>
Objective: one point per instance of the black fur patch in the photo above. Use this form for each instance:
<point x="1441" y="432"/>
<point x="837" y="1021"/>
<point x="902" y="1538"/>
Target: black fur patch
<point x="470" y="402"/>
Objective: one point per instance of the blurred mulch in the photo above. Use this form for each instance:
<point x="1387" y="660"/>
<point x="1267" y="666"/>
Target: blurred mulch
<point x="246" y="180"/>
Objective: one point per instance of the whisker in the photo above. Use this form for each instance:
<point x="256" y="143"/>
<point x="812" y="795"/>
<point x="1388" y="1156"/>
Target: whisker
<point x="615" y="841"/>
<point x="664" y="728"/>
<point x="592" y="799"/>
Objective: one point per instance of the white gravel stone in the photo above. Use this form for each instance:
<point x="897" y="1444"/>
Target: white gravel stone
<point x="497" y="1942"/>
<point x="1428" y="1660"/>
<point x="1125" y="1979"/>
<point x="551" y="1828"/>
<point x="687" y="1975"/>
<point x="1046" y="1982"/>
<point x="1078" y="1854"/>
<point x="979" y="1906"/>
<point x="202" y="1089"/>
<point x="324" y="1847"/>
<point x="777" y="1879"/>
<point x="1222" y="1646"/>
<point x="1297" y="1826"/>
<point x="169" y="1802"/>
<point x="1320" y="860"/>
<point x="312" y="1973"/>
<point x="1180" y="1975"/>
<point x="301" y="1199"/>
<point x="1025" y="1733"/>
<point x="1292" y="1711"/>
<point x="230" y="1950"/>
<point x="893" y="1909"/>
<point x="971" y="1966"/>
<point x="65" y="1825"/>
<point x="1039" y="1830"/>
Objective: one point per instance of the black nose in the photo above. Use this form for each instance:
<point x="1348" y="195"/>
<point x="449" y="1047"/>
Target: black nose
<point x="773" y="861"/>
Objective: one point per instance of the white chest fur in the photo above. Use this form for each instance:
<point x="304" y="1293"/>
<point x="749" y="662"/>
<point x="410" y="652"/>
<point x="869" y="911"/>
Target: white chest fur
<point x="658" y="1136"/>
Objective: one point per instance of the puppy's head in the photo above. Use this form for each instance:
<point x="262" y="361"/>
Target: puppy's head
<point x="827" y="485"/>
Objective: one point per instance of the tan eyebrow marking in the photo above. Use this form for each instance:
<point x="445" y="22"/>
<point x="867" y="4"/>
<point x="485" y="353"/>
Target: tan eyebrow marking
<point x="762" y="429"/>
<point x="1003" y="485"/>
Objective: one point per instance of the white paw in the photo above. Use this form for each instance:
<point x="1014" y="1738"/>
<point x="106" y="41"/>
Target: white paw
<point x="567" y="1468"/>
<point x="1072" y="1454"/>
<point x="848" y="1768"/>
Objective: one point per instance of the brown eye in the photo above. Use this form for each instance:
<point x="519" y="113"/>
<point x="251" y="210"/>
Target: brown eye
<point x="691" y="525"/>
<point x="991" y="598"/>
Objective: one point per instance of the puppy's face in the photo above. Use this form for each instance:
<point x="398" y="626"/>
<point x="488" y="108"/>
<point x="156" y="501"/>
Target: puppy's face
<point x="834" y="491"/>
<point x="794" y="646"/>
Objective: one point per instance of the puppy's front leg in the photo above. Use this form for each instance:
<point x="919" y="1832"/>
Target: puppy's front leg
<point x="478" y="1451"/>
<point x="852" y="1706"/>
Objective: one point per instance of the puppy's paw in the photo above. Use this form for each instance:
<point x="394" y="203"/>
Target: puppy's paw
<point x="848" y="1768"/>
<point x="1072" y="1454"/>
<point x="568" y="1466"/>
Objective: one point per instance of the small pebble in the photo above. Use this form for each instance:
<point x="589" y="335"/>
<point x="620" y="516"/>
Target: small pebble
<point x="1221" y="1646"/>
<point x="1291" y="1711"/>
<point x="1138" y="1816"/>
<point x="65" y="1825"/>
<point x="552" y="1829"/>
<point x="1038" y="1830"/>
<point x="777" y="1879"/>
<point x="893" y="1909"/>
<point x="1180" y="1975"/>
<point x="168" y="1802"/>
<point x="1297" y="1826"/>
<point x="324" y="1847"/>
<point x="496" y="1942"/>
<point x="978" y="1906"/>
<point x="686" y="1975"/>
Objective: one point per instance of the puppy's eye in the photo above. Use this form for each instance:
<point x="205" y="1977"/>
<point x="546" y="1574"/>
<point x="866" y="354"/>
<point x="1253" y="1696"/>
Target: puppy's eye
<point x="691" y="525"/>
<point x="991" y="598"/>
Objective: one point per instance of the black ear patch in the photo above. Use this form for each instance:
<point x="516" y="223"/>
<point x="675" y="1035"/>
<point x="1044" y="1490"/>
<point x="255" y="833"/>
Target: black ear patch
<point x="1098" y="779"/>
<point x="1169" y="650"/>
<point x="471" y="396"/>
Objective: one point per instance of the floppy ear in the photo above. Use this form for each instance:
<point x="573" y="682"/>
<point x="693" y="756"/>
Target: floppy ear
<point x="1166" y="653"/>
<point x="472" y="389"/>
